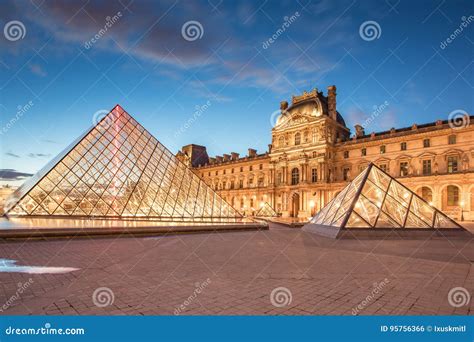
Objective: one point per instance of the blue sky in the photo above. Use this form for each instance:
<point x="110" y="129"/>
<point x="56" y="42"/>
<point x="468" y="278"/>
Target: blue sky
<point x="143" y="62"/>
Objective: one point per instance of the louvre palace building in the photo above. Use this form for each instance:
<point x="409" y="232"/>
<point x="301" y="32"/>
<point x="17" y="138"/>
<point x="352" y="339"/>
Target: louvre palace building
<point x="313" y="156"/>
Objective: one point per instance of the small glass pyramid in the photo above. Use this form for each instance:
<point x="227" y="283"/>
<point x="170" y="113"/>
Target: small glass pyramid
<point x="266" y="211"/>
<point x="376" y="200"/>
<point x="117" y="169"/>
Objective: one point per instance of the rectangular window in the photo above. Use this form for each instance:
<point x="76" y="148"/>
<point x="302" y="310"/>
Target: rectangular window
<point x="224" y="185"/>
<point x="346" y="154"/>
<point x="403" y="146"/>
<point x="241" y="184"/>
<point x="426" y="143"/>
<point x="382" y="149"/>
<point x="232" y="171"/>
<point x="452" y="164"/>
<point x="451" y="139"/>
<point x="314" y="175"/>
<point x="363" y="152"/>
<point x="345" y="174"/>
<point x="241" y="168"/>
<point x="250" y="182"/>
<point x="241" y="202"/>
<point x="224" y="171"/>
<point x="232" y="184"/>
<point x="250" y="168"/>
<point x="279" y="180"/>
<point x="403" y="169"/>
<point x="261" y="166"/>
<point x="217" y="172"/>
<point x="427" y="167"/>
<point x="260" y="181"/>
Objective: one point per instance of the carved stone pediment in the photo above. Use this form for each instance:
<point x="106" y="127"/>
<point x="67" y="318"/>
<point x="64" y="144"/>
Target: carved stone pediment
<point x="295" y="119"/>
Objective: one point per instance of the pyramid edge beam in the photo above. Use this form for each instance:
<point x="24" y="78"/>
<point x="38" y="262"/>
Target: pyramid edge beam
<point x="26" y="187"/>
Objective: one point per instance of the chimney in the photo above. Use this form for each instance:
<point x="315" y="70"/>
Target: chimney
<point x="234" y="155"/>
<point x="252" y="153"/>
<point x="332" y="102"/>
<point x="219" y="159"/>
<point x="226" y="157"/>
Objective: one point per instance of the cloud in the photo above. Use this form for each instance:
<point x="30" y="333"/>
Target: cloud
<point x="37" y="70"/>
<point x="38" y="155"/>
<point x="11" y="174"/>
<point x="11" y="154"/>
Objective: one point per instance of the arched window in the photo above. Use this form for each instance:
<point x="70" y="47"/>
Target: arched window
<point x="281" y="142"/>
<point x="295" y="176"/>
<point x="453" y="195"/>
<point x="297" y="138"/>
<point x="427" y="194"/>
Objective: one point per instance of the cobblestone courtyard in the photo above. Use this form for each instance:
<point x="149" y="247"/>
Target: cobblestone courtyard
<point x="236" y="273"/>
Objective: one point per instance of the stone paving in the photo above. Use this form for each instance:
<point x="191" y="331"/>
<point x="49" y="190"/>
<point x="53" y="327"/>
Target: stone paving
<point x="283" y="271"/>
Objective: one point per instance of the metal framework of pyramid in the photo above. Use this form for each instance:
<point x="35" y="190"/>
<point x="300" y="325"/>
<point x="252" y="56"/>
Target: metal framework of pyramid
<point x="117" y="169"/>
<point x="266" y="211"/>
<point x="374" y="199"/>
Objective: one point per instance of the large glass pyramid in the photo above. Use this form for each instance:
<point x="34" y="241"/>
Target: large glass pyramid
<point x="376" y="200"/>
<point x="117" y="169"/>
<point x="266" y="211"/>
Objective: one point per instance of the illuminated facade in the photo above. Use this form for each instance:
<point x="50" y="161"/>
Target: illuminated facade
<point x="118" y="170"/>
<point x="313" y="156"/>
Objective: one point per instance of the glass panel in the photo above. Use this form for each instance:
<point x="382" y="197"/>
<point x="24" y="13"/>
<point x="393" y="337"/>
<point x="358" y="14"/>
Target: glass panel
<point x="366" y="209"/>
<point x="384" y="221"/>
<point x="442" y="221"/>
<point x="395" y="210"/>
<point x="379" y="178"/>
<point x="413" y="221"/>
<point x="373" y="193"/>
<point x="423" y="210"/>
<point x="355" y="221"/>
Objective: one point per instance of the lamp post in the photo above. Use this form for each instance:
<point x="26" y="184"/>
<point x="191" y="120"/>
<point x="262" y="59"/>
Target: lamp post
<point x="462" y="211"/>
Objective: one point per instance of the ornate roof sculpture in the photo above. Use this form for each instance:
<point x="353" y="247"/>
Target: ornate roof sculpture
<point x="117" y="169"/>
<point x="266" y="211"/>
<point x="376" y="200"/>
<point x="309" y="105"/>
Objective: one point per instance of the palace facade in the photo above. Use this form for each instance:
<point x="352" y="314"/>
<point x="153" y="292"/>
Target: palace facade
<point x="313" y="155"/>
